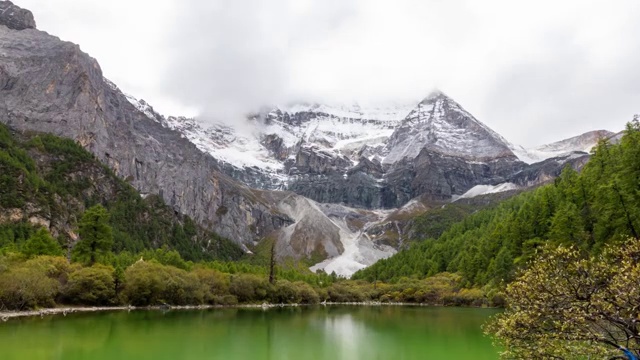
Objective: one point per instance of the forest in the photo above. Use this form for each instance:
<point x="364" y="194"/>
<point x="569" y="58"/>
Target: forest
<point x="588" y="209"/>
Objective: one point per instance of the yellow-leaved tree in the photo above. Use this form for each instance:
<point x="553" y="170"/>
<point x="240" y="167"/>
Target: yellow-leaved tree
<point x="570" y="306"/>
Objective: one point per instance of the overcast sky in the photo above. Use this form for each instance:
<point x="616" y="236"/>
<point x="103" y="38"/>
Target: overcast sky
<point x="535" y="71"/>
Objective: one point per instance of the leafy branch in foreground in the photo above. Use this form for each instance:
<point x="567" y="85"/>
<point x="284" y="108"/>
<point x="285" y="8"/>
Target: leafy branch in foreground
<point x="568" y="306"/>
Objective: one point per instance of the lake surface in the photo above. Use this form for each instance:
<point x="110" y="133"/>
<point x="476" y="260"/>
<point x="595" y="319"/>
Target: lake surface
<point x="332" y="333"/>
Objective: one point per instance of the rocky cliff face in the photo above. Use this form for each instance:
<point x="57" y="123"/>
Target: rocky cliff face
<point x="48" y="85"/>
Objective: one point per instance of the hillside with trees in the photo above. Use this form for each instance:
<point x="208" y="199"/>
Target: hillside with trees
<point x="107" y="245"/>
<point x="49" y="182"/>
<point x="598" y="206"/>
<point x="72" y="233"/>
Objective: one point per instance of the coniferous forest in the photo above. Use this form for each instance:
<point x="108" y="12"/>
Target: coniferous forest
<point x="599" y="205"/>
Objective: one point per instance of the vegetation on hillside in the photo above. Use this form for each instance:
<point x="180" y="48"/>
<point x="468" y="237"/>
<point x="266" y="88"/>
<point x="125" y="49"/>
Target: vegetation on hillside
<point x="49" y="181"/>
<point x="588" y="210"/>
<point x="36" y="276"/>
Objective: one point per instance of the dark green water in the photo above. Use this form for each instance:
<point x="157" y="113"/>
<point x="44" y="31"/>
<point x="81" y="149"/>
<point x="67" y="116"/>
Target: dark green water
<point x="290" y="333"/>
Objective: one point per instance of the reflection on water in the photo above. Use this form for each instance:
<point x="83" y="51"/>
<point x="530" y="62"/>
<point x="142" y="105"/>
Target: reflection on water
<point x="346" y="334"/>
<point x="289" y="333"/>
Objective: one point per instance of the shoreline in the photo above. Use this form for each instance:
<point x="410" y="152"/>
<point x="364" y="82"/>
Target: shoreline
<point x="7" y="315"/>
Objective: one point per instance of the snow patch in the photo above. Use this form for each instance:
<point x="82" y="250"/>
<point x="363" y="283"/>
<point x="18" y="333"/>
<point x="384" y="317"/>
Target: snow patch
<point x="359" y="250"/>
<point x="582" y="144"/>
<point x="486" y="189"/>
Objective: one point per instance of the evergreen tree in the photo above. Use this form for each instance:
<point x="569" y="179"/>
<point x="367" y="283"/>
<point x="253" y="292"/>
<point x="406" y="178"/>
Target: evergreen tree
<point x="567" y="226"/>
<point x="41" y="243"/>
<point x="96" y="237"/>
<point x="500" y="267"/>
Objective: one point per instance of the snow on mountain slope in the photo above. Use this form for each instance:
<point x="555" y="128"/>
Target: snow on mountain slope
<point x="270" y="141"/>
<point x="486" y="189"/>
<point x="387" y="133"/>
<point x="581" y="143"/>
<point x="228" y="145"/>
<point x="337" y="232"/>
<point x="441" y="125"/>
<point x="385" y="112"/>
<point x="360" y="250"/>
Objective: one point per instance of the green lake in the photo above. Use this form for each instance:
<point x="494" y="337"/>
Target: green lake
<point x="340" y="332"/>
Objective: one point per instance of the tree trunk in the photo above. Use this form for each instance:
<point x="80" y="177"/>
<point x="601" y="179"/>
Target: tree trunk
<point x="272" y="264"/>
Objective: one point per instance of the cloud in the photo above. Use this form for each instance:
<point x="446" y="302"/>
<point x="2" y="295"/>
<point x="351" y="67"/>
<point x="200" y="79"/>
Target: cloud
<point x="534" y="71"/>
<point x="228" y="58"/>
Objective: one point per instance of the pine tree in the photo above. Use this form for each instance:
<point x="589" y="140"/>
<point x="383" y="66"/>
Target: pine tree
<point x="567" y="226"/>
<point x="501" y="267"/>
<point x="41" y="243"/>
<point x="96" y="237"/>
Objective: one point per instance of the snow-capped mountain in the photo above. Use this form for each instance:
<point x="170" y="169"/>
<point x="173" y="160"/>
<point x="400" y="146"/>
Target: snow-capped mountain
<point x="441" y="125"/>
<point x="353" y="173"/>
<point x="346" y="164"/>
<point x="368" y="157"/>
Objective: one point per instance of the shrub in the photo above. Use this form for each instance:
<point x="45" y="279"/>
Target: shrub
<point x="182" y="288"/>
<point x="214" y="283"/>
<point x="343" y="293"/>
<point x="249" y="288"/>
<point x="498" y="300"/>
<point x="27" y="287"/>
<point x="150" y="283"/>
<point x="41" y="243"/>
<point x="91" y="286"/>
<point x="226" y="300"/>
<point x="305" y="293"/>
<point x="54" y="267"/>
<point x="466" y="297"/>
<point x="284" y="293"/>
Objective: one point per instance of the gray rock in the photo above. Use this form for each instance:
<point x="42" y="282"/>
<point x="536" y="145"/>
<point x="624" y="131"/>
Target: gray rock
<point x="48" y="85"/>
<point x="547" y="170"/>
<point x="15" y="17"/>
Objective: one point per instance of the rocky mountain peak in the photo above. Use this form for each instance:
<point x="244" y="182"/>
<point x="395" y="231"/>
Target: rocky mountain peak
<point x="15" y="17"/>
<point x="434" y="96"/>
<point x="441" y="125"/>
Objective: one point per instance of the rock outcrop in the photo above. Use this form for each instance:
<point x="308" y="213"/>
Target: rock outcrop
<point x="49" y="85"/>
<point x="15" y="17"/>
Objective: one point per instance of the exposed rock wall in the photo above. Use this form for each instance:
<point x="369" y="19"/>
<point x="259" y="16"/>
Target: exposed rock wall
<point x="51" y="86"/>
